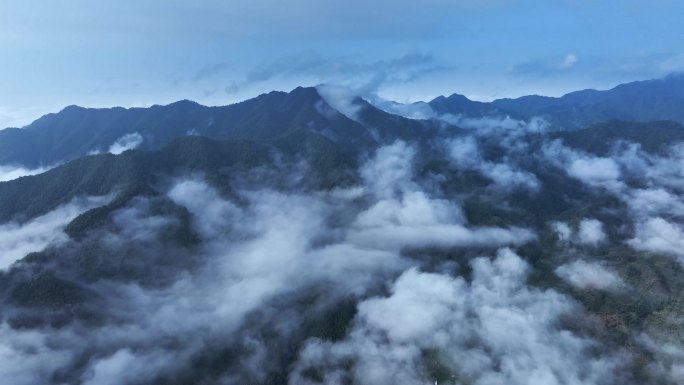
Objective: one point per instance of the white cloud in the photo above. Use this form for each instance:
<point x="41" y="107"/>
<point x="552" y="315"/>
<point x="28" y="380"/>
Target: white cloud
<point x="262" y="248"/>
<point x="594" y="170"/>
<point x="505" y="176"/>
<point x="405" y="216"/>
<point x="396" y="237"/>
<point x="391" y="170"/>
<point x="269" y="246"/>
<point x="464" y="153"/>
<point x="19" y="239"/>
<point x="341" y="99"/>
<point x="126" y="142"/>
<point x="650" y="185"/>
<point x="669" y="361"/>
<point x="498" y="125"/>
<point x="418" y="110"/>
<point x="124" y="367"/>
<point x="586" y="274"/>
<point x="659" y="236"/>
<point x="205" y="202"/>
<point x="493" y="330"/>
<point x="422" y="300"/>
<point x="272" y="244"/>
<point x="569" y="61"/>
<point x="591" y="232"/>
<point x="8" y="173"/>
<point x="654" y="201"/>
<point x="25" y="357"/>
<point x="562" y="230"/>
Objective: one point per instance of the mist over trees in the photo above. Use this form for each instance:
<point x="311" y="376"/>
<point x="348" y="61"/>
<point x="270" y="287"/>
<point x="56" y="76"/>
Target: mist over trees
<point x="314" y="237"/>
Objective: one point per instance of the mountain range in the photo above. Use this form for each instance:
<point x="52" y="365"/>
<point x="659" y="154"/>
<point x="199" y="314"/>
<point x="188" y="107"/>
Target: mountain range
<point x="641" y="101"/>
<point x="76" y="131"/>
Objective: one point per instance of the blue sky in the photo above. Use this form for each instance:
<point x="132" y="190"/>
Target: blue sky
<point x="138" y="53"/>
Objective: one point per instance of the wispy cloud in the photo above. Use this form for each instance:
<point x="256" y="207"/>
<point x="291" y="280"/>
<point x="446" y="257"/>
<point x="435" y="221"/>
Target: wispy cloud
<point x="211" y="70"/>
<point x="546" y="66"/>
<point x="19" y="239"/>
<point x="126" y="142"/>
<point x="8" y="173"/>
<point x="361" y="75"/>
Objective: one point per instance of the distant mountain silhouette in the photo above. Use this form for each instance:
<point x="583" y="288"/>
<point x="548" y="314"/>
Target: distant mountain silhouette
<point x="649" y="100"/>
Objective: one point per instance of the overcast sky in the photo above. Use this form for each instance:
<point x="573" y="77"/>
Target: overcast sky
<point x="138" y="53"/>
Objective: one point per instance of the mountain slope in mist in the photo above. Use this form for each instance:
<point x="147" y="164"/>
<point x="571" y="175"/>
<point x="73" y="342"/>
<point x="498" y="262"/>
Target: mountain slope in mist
<point x="138" y="170"/>
<point x="311" y="238"/>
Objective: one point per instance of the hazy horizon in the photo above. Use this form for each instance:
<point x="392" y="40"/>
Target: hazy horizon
<point x="220" y="52"/>
<point x="26" y="120"/>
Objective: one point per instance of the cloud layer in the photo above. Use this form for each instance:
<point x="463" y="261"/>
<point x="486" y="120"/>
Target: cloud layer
<point x="260" y="254"/>
<point x="8" y="173"/>
<point x="19" y="239"/>
<point x="492" y="330"/>
<point x="126" y="142"/>
<point x="395" y="277"/>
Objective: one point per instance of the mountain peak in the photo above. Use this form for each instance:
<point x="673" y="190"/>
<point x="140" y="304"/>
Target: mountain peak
<point x="456" y="96"/>
<point x="184" y="102"/>
<point x="72" y="108"/>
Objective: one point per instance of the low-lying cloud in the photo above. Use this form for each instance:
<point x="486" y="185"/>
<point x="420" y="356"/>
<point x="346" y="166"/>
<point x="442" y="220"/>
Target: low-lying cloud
<point x="591" y="232"/>
<point x="126" y="142"/>
<point x="260" y="254"/>
<point x="341" y="99"/>
<point x="491" y="330"/>
<point x="8" y="173"/>
<point x="647" y="183"/>
<point x="657" y="235"/>
<point x="594" y="170"/>
<point x="464" y="154"/>
<point x="385" y="280"/>
<point x="589" y="275"/>
<point x="19" y="239"/>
